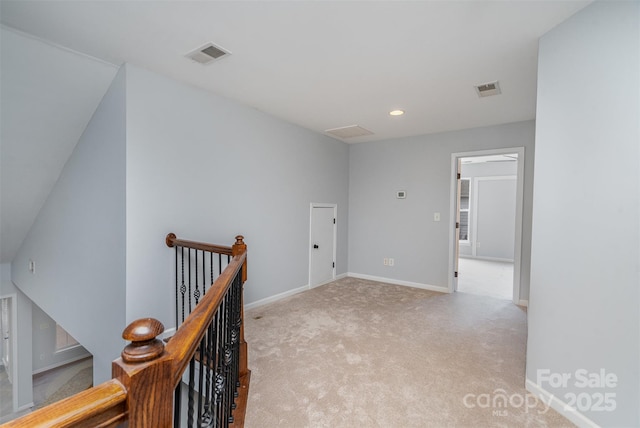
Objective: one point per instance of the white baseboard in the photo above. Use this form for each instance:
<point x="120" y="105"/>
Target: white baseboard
<point x="524" y="303"/>
<point x="399" y="282"/>
<point x="168" y="333"/>
<point x="560" y="406"/>
<point x="276" y="297"/>
<point x="62" y="363"/>
<point x="26" y="406"/>
<point x="488" y="259"/>
<point x="288" y="293"/>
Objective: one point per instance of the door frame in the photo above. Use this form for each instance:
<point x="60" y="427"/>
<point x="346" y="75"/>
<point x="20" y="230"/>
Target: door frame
<point x="453" y="208"/>
<point x="14" y="347"/>
<point x="335" y="237"/>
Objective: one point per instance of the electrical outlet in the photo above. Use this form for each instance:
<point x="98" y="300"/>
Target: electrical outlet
<point x="391" y="262"/>
<point x="385" y="262"/>
<point x="436" y="216"/>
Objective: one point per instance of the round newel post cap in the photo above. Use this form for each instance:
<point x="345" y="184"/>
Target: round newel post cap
<point x="144" y="346"/>
<point x="239" y="240"/>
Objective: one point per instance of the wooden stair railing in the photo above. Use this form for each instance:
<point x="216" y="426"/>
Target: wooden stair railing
<point x="147" y="380"/>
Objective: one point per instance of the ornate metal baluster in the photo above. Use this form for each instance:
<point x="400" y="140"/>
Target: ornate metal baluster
<point x="183" y="288"/>
<point x="196" y="292"/>
<point x="207" y="414"/>
<point x="204" y="275"/>
<point x="219" y="383"/>
<point x="201" y="374"/>
<point x="176" y="253"/>
<point x="189" y="258"/>
<point x="190" y="405"/>
<point x="177" y="403"/>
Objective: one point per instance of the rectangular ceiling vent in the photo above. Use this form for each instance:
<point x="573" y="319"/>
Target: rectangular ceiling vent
<point x="208" y="53"/>
<point x="488" y="89"/>
<point x="350" y="131"/>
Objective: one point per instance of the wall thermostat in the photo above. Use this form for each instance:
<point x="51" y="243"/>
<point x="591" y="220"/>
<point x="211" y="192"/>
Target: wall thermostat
<point x="401" y="194"/>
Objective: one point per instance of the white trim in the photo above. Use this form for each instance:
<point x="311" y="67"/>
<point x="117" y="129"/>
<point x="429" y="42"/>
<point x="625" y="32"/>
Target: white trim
<point x="519" y="212"/>
<point x="25" y="406"/>
<point x="276" y="297"/>
<point x="524" y="303"/>
<point x="559" y="406"/>
<point x="14" y="349"/>
<point x="399" y="282"/>
<point x="168" y="333"/>
<point x="489" y="259"/>
<point x="63" y="363"/>
<point x="286" y="294"/>
<point x="335" y="238"/>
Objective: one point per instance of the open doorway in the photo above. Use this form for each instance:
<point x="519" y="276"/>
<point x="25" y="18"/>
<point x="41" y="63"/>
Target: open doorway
<point x="8" y="384"/>
<point x="487" y="224"/>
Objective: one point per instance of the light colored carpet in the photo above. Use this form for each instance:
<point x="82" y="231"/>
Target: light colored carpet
<point x="6" y="393"/>
<point x="485" y="277"/>
<point x="68" y="380"/>
<point x="358" y="353"/>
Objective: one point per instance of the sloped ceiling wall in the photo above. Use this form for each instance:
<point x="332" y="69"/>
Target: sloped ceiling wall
<point x="48" y="96"/>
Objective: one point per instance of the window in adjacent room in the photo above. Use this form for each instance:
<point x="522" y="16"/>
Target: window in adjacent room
<point x="464" y="209"/>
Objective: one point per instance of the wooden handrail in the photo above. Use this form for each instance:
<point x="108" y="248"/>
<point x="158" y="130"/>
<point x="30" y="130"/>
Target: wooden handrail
<point x="100" y="406"/>
<point x="145" y="377"/>
<point x="172" y="241"/>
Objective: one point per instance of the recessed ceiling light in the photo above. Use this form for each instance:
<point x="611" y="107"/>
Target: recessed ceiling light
<point x="396" y="112"/>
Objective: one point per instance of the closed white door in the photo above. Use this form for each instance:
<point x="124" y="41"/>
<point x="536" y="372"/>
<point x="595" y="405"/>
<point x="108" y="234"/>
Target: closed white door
<point x="322" y="244"/>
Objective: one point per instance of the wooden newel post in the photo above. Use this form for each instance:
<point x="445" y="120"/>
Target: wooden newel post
<point x="145" y="371"/>
<point x="238" y="248"/>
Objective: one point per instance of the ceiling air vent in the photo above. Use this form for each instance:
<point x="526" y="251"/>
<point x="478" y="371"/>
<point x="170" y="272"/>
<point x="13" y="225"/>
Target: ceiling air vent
<point x="488" y="89"/>
<point x="349" y="131"/>
<point x="208" y="53"/>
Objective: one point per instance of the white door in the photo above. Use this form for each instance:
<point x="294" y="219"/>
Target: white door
<point x="322" y="244"/>
<point x="5" y="327"/>
<point x="457" y="238"/>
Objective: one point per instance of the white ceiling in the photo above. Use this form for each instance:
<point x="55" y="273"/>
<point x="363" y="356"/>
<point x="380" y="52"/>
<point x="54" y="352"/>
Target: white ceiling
<point x="318" y="64"/>
<point x="325" y="64"/>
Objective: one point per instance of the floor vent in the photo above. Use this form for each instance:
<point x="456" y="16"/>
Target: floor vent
<point x="208" y="53"/>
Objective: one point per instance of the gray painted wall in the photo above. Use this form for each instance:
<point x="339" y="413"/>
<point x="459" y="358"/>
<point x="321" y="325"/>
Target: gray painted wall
<point x="382" y="226"/>
<point x="496" y="213"/>
<point x="584" y="303"/>
<point x="78" y="239"/>
<point x="45" y="355"/>
<point x="485" y="169"/>
<point x="207" y="168"/>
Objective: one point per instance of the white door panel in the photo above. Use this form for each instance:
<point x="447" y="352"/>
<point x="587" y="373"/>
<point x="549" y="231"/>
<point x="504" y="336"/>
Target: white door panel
<point x="322" y="251"/>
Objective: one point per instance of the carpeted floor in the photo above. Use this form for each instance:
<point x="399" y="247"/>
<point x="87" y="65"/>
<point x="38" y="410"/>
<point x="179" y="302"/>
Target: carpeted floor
<point x="357" y="353"/>
<point x="488" y="278"/>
